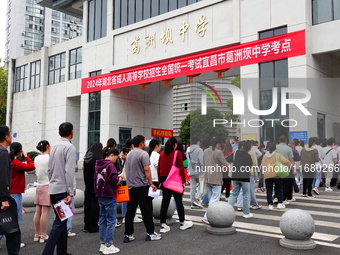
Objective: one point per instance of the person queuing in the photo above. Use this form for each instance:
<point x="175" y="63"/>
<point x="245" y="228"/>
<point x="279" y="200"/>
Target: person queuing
<point x="270" y="177"/>
<point x="91" y="206"/>
<point x="19" y="168"/>
<point x="61" y="170"/>
<point x="309" y="156"/>
<point x="154" y="148"/>
<point x="106" y="179"/>
<point x="13" y="240"/>
<point x="195" y="167"/>
<point x="139" y="179"/>
<point x="166" y="159"/>
<point x="42" y="198"/>
<point x="212" y="158"/>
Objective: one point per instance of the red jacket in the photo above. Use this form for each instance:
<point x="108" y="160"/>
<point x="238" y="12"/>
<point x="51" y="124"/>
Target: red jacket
<point x="18" y="174"/>
<point x="165" y="164"/>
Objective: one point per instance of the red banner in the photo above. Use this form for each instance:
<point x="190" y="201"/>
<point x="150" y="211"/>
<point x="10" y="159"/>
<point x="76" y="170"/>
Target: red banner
<point x="161" y="132"/>
<point x="273" y="48"/>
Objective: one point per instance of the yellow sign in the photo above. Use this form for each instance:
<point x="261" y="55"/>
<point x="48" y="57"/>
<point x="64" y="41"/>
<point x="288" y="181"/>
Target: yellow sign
<point x="249" y="137"/>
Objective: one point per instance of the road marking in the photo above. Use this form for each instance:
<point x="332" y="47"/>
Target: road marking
<point x="271" y="229"/>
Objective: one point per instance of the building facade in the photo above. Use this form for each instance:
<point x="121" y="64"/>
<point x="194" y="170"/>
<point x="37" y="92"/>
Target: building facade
<point x="119" y="78"/>
<point x="31" y="26"/>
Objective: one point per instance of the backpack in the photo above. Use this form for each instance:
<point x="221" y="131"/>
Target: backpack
<point x="193" y="163"/>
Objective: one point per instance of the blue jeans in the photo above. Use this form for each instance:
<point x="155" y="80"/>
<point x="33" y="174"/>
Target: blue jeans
<point x="317" y="177"/>
<point x="69" y="220"/>
<point x="237" y="185"/>
<point x="253" y="200"/>
<point x="124" y="208"/>
<point x="107" y="219"/>
<point x="18" y="199"/>
<point x="214" y="192"/>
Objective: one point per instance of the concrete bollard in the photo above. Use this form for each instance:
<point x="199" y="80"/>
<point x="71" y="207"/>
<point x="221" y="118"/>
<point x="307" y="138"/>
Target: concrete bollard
<point x="157" y="211"/>
<point x="221" y="217"/>
<point x="28" y="198"/>
<point x="298" y="227"/>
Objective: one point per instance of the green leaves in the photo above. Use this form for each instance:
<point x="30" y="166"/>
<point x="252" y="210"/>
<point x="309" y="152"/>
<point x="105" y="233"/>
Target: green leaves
<point x="3" y="94"/>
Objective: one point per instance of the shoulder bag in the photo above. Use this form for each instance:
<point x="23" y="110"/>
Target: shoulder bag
<point x="174" y="181"/>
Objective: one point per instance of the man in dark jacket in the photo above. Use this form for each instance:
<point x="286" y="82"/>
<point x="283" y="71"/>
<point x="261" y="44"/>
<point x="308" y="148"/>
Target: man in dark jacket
<point x="241" y="168"/>
<point x="13" y="240"/>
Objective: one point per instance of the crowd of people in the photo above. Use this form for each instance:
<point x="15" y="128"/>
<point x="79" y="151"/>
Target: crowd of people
<point x="213" y="167"/>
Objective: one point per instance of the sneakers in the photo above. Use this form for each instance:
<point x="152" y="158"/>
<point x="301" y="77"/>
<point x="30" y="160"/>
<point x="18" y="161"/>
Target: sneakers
<point x="275" y="200"/>
<point x="286" y="202"/>
<point x="70" y="234"/>
<point x="329" y="189"/>
<point x="153" y="237"/>
<point x="304" y="195"/>
<point x="205" y="221"/>
<point x="316" y="191"/>
<point x="186" y="224"/>
<point x="164" y="228"/>
<point x="197" y="204"/>
<point x="240" y="209"/>
<point x="128" y="238"/>
<point x="137" y="220"/>
<point x="102" y="247"/>
<point x="310" y="196"/>
<point x="291" y="200"/>
<point x="247" y="216"/>
<point x="196" y="207"/>
<point x="110" y="250"/>
<point x="118" y="224"/>
<point x="281" y="206"/>
<point x="22" y="245"/>
<point x="255" y="207"/>
<point x="270" y="207"/>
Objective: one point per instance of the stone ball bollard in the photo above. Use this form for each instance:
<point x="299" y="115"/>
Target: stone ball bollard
<point x="298" y="227"/>
<point x="157" y="203"/>
<point x="28" y="198"/>
<point x="221" y="217"/>
<point x="79" y="198"/>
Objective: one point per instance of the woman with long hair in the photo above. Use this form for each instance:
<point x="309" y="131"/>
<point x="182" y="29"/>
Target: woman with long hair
<point x="154" y="148"/>
<point x="91" y="206"/>
<point x="164" y="165"/>
<point x="309" y="156"/>
<point x="18" y="183"/>
<point x="269" y="174"/>
<point x="42" y="198"/>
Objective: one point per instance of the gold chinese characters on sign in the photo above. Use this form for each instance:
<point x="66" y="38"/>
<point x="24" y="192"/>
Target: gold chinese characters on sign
<point x="167" y="35"/>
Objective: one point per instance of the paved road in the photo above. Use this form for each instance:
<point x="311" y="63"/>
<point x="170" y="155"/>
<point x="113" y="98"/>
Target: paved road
<point x="259" y="235"/>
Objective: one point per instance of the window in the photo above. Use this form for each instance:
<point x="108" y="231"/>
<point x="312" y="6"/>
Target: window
<point x="35" y="75"/>
<point x="20" y="78"/>
<point x="184" y="107"/>
<point x="97" y="22"/>
<point x="273" y="74"/>
<point x="124" y="134"/>
<point x="325" y="10"/>
<point x="321" y="126"/>
<point x="127" y="12"/>
<point x="75" y="64"/>
<point x="94" y="118"/>
<point x="56" y="68"/>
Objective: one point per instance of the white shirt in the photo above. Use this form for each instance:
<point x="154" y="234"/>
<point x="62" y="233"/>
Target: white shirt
<point x="41" y="167"/>
<point x="154" y="158"/>
<point x="330" y="157"/>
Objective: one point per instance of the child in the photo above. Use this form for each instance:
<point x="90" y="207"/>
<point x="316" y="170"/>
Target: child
<point x="106" y="180"/>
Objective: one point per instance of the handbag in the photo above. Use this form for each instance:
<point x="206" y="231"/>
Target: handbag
<point x="296" y="187"/>
<point x="122" y="194"/>
<point x="281" y="170"/>
<point x="9" y="218"/>
<point x="174" y="181"/>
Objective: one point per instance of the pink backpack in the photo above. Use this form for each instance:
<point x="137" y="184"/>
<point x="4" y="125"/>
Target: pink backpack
<point x="174" y="181"/>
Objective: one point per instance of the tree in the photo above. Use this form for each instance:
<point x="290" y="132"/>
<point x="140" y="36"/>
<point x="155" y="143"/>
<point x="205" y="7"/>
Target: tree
<point x="229" y="114"/>
<point x="3" y="94"/>
<point x="202" y="126"/>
